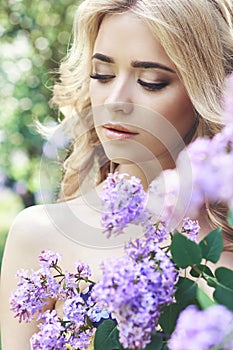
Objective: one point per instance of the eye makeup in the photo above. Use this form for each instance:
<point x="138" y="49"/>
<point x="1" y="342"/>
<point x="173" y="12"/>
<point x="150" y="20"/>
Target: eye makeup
<point x="102" y="77"/>
<point x="152" y="86"/>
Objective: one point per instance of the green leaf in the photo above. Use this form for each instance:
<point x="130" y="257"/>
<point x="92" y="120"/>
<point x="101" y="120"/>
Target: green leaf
<point x="200" y="269"/>
<point x="107" y="336"/>
<point x="184" y="251"/>
<point x="156" y="342"/>
<point x="165" y="347"/>
<point x="212" y="282"/>
<point x="212" y="245"/>
<point x="186" y="291"/>
<point x="230" y="218"/>
<point x="224" y="287"/>
<point x="203" y="299"/>
<point x="224" y="296"/>
<point x="169" y="316"/>
<point x="225" y="276"/>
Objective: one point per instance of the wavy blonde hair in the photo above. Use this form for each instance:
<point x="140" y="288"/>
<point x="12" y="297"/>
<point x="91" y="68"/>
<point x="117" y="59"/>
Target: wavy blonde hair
<point x="196" y="35"/>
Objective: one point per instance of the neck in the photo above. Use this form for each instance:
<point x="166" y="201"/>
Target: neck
<point x="147" y="171"/>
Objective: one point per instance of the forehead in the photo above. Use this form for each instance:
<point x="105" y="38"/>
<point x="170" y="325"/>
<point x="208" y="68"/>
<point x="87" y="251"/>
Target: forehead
<point x="127" y="37"/>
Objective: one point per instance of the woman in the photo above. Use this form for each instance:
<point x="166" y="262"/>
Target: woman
<point x="145" y="77"/>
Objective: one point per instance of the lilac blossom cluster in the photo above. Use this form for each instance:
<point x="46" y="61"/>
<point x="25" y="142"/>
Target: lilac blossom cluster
<point x="30" y="300"/>
<point x="123" y="201"/>
<point x="203" y="329"/>
<point x="35" y="288"/>
<point x="204" y="172"/>
<point x="135" y="287"/>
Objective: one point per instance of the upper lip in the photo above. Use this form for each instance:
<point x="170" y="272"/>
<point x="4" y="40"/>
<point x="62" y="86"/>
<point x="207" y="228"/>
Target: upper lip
<point x="119" y="127"/>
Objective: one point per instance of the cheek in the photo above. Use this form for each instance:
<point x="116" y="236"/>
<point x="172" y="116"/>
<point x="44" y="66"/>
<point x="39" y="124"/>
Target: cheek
<point x="98" y="93"/>
<point x="92" y="92"/>
<point x="176" y="108"/>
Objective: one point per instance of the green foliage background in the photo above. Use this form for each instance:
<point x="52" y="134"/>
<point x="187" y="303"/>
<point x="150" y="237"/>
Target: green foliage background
<point x="34" y="37"/>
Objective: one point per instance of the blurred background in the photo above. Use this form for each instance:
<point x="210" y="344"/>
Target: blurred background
<point x="34" y="37"/>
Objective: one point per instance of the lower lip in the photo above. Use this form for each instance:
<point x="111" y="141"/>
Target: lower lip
<point x="118" y="135"/>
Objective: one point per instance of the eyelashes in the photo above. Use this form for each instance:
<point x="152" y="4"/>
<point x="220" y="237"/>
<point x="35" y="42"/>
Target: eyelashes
<point x="104" y="78"/>
<point x="152" y="86"/>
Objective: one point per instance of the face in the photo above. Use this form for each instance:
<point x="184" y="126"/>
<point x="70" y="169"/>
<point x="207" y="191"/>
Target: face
<point x="140" y="107"/>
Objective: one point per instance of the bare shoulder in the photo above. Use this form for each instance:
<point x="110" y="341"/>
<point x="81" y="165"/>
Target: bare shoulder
<point x="27" y="237"/>
<point x="31" y="225"/>
<point x="39" y="220"/>
<point x="29" y="218"/>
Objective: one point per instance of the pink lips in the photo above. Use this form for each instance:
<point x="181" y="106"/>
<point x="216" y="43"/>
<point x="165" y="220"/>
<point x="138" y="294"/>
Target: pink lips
<point x="118" y="132"/>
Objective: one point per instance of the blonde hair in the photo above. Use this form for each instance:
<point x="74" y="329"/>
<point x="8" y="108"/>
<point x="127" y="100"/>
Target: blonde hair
<point x="196" y="35"/>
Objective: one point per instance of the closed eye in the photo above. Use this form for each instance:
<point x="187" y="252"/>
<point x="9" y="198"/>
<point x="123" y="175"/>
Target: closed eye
<point x="152" y="86"/>
<point x="102" y="77"/>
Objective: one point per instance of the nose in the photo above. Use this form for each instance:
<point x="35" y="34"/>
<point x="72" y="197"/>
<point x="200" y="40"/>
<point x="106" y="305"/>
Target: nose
<point x="120" y="96"/>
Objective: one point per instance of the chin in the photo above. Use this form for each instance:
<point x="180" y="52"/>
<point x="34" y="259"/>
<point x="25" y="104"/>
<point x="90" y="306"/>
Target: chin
<point x="121" y="154"/>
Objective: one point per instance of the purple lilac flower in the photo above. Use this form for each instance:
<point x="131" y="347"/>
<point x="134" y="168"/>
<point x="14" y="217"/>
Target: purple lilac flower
<point x="57" y="334"/>
<point x="164" y="192"/>
<point x="49" y="259"/>
<point x="123" y="202"/>
<point x="191" y="228"/>
<point x="82" y="269"/>
<point x="167" y="198"/>
<point x="135" y="287"/>
<point x="203" y="330"/>
<point x="72" y="329"/>
<point x="50" y="336"/>
<point x="75" y="310"/>
<point x="213" y="174"/>
<point x="206" y="174"/>
<point x="81" y="340"/>
<point x="68" y="288"/>
<point x="149" y="244"/>
<point x="32" y="293"/>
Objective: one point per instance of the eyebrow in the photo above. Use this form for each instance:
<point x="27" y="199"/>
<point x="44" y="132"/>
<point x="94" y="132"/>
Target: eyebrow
<point x="134" y="64"/>
<point x="101" y="57"/>
<point x="145" y="64"/>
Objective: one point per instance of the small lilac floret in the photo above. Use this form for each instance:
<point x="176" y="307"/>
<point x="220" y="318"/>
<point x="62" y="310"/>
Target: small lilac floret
<point x="49" y="259"/>
<point x="191" y="228"/>
<point x="83" y="269"/>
